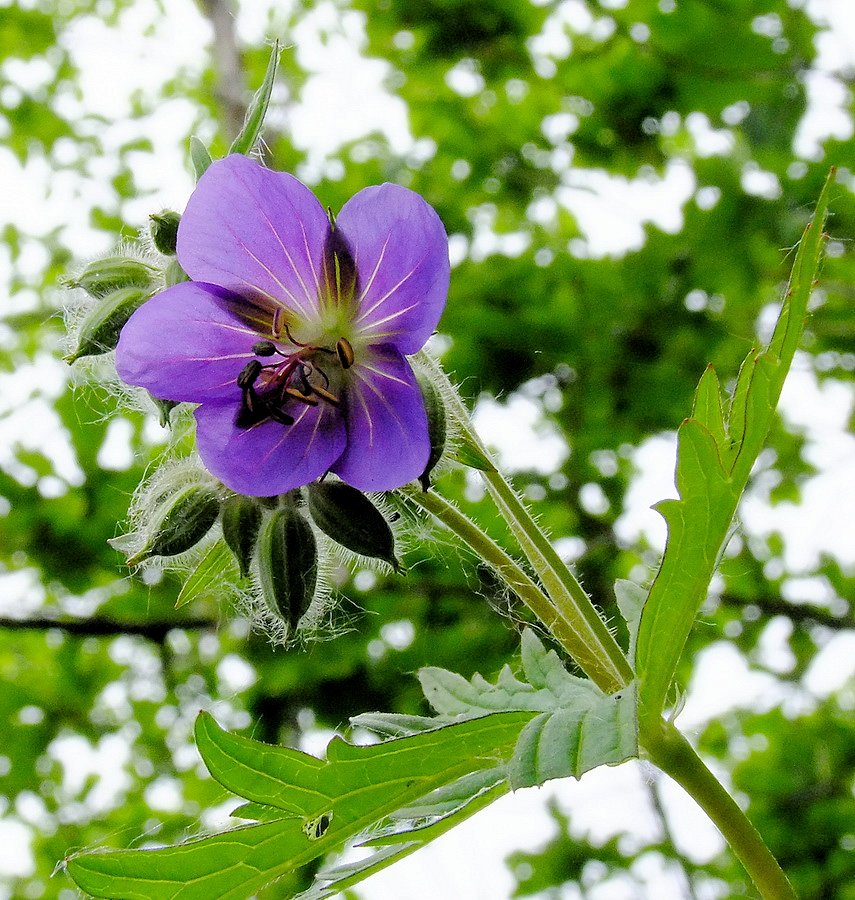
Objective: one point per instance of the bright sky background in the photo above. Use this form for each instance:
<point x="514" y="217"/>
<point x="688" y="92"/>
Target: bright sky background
<point x="467" y="863"/>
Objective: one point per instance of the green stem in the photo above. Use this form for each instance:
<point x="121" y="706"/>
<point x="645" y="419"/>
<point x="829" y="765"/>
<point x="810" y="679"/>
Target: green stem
<point x="594" y="647"/>
<point x="675" y="756"/>
<point x="549" y="613"/>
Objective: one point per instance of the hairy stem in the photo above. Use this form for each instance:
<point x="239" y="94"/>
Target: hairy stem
<point x="549" y="613"/>
<point x="594" y="646"/>
<point x="674" y="755"/>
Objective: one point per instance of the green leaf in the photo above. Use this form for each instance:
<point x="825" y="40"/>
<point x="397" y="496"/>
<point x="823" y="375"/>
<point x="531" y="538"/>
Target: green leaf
<point x="324" y="804"/>
<point x="468" y="453"/>
<point x="707" y="407"/>
<point x="630" y="598"/>
<point x="579" y="728"/>
<point x="199" y="156"/>
<point x="205" y="581"/>
<point x="245" y="141"/>
<point x="714" y="462"/>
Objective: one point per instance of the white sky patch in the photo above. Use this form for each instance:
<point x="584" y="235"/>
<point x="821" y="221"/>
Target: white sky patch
<point x="525" y="440"/>
<point x="612" y="211"/>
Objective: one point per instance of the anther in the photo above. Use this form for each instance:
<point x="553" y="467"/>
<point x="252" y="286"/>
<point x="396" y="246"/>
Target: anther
<point x="324" y="394"/>
<point x="344" y="349"/>
<point x="249" y="373"/>
<point x="264" y="348"/>
<point x="308" y="399"/>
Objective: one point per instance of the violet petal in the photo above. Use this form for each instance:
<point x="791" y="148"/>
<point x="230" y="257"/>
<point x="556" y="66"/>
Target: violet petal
<point x="269" y="458"/>
<point x="401" y="252"/>
<point x="256" y="232"/>
<point x="387" y="433"/>
<point x="185" y="344"/>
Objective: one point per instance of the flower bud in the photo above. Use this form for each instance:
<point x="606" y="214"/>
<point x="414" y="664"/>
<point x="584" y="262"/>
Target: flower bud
<point x="100" y="329"/>
<point x="286" y="557"/>
<point x="437" y="429"/>
<point x="112" y="273"/>
<point x="241" y="518"/>
<point x="348" y="517"/>
<point x="179" y="522"/>
<point x="164" y="231"/>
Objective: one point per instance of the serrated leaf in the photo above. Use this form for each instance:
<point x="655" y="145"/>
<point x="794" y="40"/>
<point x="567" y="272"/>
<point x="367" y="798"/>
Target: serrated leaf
<point x="257" y="110"/>
<point x="570" y="741"/>
<point x="353" y="788"/>
<point x="206" y="579"/>
<point x="394" y="725"/>
<point x="199" y="156"/>
<point x="712" y="472"/>
<point x="579" y="728"/>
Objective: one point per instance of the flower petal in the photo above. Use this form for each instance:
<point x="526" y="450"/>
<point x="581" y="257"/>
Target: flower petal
<point x="256" y="232"/>
<point x="268" y="458"/>
<point x="186" y="344"/>
<point x="401" y="252"/>
<point x="387" y="432"/>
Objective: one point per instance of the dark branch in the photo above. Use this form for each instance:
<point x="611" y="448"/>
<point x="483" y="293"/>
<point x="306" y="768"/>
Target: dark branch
<point x="797" y="612"/>
<point x="98" y="627"/>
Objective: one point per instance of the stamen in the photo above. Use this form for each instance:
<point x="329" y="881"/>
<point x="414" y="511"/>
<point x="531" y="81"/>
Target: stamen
<point x="324" y="394"/>
<point x="249" y="373"/>
<point x="344" y="349"/>
<point x="264" y="348"/>
<point x="308" y="399"/>
<point x="278" y="316"/>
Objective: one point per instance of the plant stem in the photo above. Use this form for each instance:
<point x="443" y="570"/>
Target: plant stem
<point x="549" y="613"/>
<point x="674" y="755"/>
<point x="593" y="646"/>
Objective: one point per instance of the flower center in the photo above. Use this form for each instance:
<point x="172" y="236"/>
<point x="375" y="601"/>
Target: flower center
<point x="307" y="375"/>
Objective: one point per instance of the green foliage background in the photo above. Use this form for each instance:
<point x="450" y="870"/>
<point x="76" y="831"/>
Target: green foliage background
<point x="607" y="347"/>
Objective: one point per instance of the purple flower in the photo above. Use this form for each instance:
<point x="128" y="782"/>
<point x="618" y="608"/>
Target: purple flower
<point x="293" y="334"/>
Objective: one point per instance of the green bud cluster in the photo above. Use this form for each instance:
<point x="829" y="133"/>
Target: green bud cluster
<point x="177" y="520"/>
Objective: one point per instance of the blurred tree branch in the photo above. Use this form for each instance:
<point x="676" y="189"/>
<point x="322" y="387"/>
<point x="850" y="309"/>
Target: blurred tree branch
<point x="228" y="65"/>
<point x="155" y="631"/>
<point x="796" y="612"/>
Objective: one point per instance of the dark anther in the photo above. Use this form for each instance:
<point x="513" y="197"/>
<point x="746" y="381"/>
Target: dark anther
<point x="263" y="348"/>
<point x="248" y="374"/>
<point x="345" y="353"/>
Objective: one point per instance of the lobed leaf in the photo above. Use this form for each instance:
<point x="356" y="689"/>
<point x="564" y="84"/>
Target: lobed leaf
<point x="321" y="805"/>
<point x="714" y="461"/>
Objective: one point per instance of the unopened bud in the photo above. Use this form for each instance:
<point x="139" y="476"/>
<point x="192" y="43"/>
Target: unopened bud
<point x="179" y="522"/>
<point x="241" y="520"/>
<point x="112" y="273"/>
<point x="287" y="564"/>
<point x="164" y="231"/>
<point x="348" y="517"/>
<point x="437" y="429"/>
<point x="100" y="330"/>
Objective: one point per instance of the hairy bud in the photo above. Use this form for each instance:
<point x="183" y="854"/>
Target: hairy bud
<point x="179" y="521"/>
<point x="241" y="519"/>
<point x="164" y="231"/>
<point x="112" y="273"/>
<point x="437" y="426"/>
<point x="100" y="329"/>
<point x="348" y="517"/>
<point x="286" y="557"/>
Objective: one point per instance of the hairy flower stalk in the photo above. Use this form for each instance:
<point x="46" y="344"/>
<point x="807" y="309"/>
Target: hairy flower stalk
<point x="292" y="335"/>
